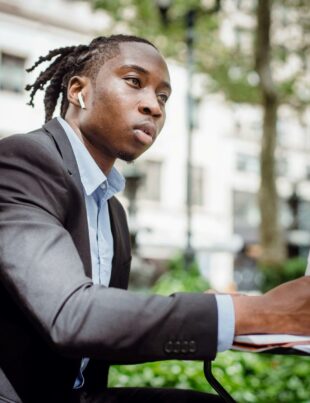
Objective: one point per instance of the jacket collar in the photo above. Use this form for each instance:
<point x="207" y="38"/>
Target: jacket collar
<point x="55" y="130"/>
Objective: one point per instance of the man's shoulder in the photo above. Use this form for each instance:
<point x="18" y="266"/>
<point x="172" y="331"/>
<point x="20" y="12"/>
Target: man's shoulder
<point x="35" y="136"/>
<point x="36" y="148"/>
<point x="32" y="142"/>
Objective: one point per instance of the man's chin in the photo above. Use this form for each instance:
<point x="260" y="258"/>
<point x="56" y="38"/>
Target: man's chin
<point x="127" y="156"/>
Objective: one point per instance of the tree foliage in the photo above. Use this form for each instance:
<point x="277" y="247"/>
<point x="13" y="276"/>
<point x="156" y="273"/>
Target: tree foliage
<point x="230" y="63"/>
<point x="253" y="51"/>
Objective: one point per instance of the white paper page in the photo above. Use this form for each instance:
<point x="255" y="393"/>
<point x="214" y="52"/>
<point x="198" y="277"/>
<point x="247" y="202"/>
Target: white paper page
<point x="305" y="348"/>
<point x="263" y="339"/>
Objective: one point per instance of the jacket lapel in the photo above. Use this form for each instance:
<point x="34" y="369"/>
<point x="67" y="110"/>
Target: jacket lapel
<point x="63" y="145"/>
<point x="121" y="256"/>
<point x="122" y="251"/>
<point x="80" y="235"/>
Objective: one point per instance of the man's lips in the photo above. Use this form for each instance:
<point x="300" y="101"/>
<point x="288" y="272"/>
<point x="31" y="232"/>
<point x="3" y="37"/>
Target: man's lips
<point x="145" y="133"/>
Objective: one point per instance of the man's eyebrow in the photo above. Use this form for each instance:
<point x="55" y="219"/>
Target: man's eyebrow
<point x="144" y="71"/>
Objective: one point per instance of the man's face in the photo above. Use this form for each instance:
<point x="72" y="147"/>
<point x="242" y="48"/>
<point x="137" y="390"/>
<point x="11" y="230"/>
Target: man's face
<point x="125" y="103"/>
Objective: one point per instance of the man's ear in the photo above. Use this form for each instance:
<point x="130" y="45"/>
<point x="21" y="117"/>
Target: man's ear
<point x="76" y="85"/>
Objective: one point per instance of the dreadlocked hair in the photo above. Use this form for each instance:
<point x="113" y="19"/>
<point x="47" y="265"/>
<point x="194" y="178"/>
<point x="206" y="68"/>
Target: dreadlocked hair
<point x="69" y="61"/>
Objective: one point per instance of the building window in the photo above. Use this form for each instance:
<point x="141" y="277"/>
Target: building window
<point x="247" y="163"/>
<point x="12" y="72"/>
<point x="197" y="186"/>
<point x="150" y="188"/>
<point x="246" y="213"/>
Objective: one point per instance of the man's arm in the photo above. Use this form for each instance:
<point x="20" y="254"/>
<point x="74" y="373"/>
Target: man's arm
<point x="42" y="270"/>
<point x="284" y="309"/>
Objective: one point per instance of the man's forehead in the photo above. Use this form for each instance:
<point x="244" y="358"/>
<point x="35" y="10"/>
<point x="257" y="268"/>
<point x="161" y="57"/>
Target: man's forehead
<point x="143" y="55"/>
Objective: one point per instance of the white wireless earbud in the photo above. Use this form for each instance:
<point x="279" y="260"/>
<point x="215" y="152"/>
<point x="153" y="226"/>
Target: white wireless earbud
<point x="81" y="100"/>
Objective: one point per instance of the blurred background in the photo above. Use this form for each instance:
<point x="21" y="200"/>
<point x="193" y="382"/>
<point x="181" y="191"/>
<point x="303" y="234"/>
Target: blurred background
<point x="223" y="197"/>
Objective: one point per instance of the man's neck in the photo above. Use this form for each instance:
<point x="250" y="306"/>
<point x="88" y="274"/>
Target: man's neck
<point x="105" y="164"/>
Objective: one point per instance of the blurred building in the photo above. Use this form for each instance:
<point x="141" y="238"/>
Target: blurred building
<point x="226" y="148"/>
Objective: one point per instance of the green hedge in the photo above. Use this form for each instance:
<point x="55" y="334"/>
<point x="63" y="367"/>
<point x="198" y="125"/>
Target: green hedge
<point x="178" y="278"/>
<point x="290" y="270"/>
<point x="248" y="377"/>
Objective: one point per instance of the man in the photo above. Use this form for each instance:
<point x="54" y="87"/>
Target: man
<point x="64" y="244"/>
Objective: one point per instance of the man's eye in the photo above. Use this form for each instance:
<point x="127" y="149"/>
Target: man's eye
<point x="163" y="98"/>
<point x="133" y="81"/>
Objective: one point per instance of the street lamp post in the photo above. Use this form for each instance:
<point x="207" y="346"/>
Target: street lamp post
<point x="190" y="20"/>
<point x="294" y="205"/>
<point x="134" y="178"/>
<point x="190" y="37"/>
<point x="142" y="271"/>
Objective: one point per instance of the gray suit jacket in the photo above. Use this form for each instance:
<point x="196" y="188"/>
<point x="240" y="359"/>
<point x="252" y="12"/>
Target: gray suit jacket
<point x="51" y="313"/>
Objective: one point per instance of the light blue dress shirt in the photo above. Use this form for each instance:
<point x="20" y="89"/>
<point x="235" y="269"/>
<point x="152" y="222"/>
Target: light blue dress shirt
<point x="98" y="189"/>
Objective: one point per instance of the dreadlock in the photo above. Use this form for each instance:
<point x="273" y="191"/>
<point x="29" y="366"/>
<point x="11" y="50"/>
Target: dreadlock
<point x="72" y="60"/>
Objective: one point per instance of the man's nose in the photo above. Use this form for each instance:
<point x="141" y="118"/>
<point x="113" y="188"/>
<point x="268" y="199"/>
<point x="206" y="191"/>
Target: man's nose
<point x="150" y="105"/>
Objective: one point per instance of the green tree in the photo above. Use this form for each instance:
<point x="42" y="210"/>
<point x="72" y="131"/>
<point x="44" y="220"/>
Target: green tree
<point x="270" y="56"/>
<point x="271" y="240"/>
<point x="247" y="70"/>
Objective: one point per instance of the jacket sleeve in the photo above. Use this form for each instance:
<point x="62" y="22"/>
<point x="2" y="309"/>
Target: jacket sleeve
<point x="42" y="270"/>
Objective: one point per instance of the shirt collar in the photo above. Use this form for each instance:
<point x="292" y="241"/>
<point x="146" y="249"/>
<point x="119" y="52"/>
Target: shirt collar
<point x="91" y="175"/>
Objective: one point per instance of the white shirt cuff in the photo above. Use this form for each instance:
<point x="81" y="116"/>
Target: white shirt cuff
<point x="226" y="322"/>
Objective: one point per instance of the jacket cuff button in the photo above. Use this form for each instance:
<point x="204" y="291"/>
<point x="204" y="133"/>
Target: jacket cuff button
<point x="184" y="348"/>
<point x="177" y="347"/>
<point x="168" y="348"/>
<point x="192" y="346"/>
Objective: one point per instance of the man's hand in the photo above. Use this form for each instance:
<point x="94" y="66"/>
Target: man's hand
<point x="284" y="309"/>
